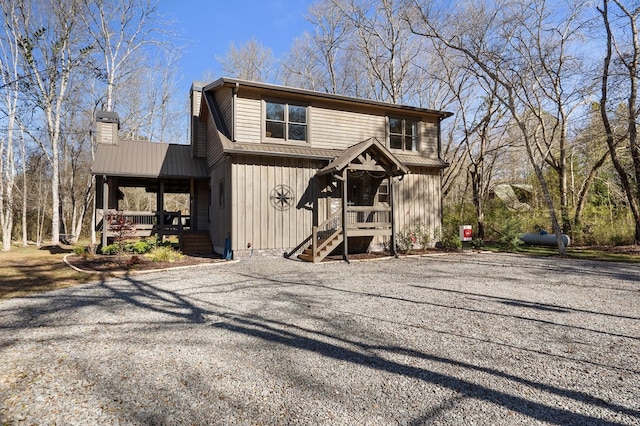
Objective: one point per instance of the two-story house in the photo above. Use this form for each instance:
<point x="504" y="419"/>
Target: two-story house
<point x="277" y="169"/>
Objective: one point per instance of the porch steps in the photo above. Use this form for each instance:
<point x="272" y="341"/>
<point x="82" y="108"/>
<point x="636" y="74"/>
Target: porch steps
<point x="194" y="243"/>
<point x="327" y="247"/>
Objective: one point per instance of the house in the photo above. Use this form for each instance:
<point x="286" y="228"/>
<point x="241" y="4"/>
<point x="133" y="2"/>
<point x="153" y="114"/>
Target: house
<point x="278" y="170"/>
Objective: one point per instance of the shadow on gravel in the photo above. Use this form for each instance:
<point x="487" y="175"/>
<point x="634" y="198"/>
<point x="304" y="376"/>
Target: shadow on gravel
<point x="526" y="304"/>
<point x="53" y="308"/>
<point x="560" y="266"/>
<point x="274" y="332"/>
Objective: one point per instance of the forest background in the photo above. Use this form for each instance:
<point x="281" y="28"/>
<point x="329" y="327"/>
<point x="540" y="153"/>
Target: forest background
<point x="544" y="95"/>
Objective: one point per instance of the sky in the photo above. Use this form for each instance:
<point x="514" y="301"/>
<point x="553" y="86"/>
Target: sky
<point x="208" y="27"/>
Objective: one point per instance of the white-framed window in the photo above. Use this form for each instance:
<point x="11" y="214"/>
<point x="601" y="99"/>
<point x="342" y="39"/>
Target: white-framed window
<point x="383" y="192"/>
<point x="403" y="134"/>
<point x="286" y="121"/>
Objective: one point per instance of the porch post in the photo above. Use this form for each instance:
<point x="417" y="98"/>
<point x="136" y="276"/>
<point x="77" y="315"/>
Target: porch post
<point x="105" y="207"/>
<point x="393" y="218"/>
<point x="193" y="207"/>
<point x="345" y="198"/>
<point x="160" y="209"/>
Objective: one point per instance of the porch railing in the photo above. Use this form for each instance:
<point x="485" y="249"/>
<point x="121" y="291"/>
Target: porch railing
<point x="368" y="217"/>
<point x="146" y="223"/>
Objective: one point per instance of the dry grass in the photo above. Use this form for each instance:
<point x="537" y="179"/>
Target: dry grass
<point x="26" y="270"/>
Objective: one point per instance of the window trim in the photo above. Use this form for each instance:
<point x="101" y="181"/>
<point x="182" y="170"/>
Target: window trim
<point x="403" y="135"/>
<point x="286" y="139"/>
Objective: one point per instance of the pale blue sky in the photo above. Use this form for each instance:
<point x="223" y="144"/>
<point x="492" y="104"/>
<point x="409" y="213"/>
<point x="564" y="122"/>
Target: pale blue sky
<point x="209" y="26"/>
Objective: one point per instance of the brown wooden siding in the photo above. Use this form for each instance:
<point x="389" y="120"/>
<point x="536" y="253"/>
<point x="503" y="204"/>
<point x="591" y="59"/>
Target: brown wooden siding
<point x="417" y="199"/>
<point x="331" y="128"/>
<point x="198" y="128"/>
<point x="249" y="120"/>
<point x="341" y="129"/>
<point x="255" y="219"/>
<point x="224" y="100"/>
<point x="214" y="144"/>
<point x="107" y="133"/>
<point x="429" y="139"/>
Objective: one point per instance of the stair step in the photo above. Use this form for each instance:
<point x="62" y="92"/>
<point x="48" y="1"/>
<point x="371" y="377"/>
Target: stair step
<point x="308" y="255"/>
<point x="305" y="257"/>
<point x="196" y="244"/>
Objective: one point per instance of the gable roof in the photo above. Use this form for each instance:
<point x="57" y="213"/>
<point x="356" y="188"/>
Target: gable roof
<point x="148" y="159"/>
<point x="380" y="153"/>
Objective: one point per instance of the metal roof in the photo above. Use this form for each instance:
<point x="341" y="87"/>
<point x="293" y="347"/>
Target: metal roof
<point x="148" y="159"/>
<point x="277" y="150"/>
<point x="234" y="82"/>
<point x="265" y="149"/>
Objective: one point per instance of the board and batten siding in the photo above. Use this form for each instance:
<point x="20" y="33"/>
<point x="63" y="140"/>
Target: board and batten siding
<point x="417" y="199"/>
<point x="220" y="211"/>
<point x="255" y="219"/>
<point x="203" y="199"/>
<point x="341" y="129"/>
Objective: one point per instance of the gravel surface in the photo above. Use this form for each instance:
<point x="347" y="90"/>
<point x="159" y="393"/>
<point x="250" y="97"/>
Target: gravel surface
<point x="455" y="339"/>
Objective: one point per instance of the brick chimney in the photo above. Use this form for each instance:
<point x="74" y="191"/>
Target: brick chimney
<point x="107" y="126"/>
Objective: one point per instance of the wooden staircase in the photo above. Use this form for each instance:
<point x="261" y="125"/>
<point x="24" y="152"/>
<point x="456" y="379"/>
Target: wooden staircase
<point x="322" y="249"/>
<point x="194" y="243"/>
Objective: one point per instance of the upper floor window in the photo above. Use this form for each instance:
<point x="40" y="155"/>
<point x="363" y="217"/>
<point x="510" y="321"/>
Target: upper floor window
<point x="403" y="134"/>
<point x="285" y="121"/>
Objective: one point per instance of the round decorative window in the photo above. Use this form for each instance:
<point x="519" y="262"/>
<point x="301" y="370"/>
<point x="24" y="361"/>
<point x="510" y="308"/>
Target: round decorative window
<point x="282" y="197"/>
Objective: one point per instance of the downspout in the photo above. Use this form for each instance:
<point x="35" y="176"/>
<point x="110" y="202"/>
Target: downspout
<point x="234" y="105"/>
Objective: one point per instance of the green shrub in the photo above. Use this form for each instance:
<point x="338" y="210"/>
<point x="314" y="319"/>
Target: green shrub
<point x="79" y="250"/>
<point x="111" y="249"/>
<point x="164" y="254"/>
<point x="139" y="247"/>
<point x="509" y="232"/>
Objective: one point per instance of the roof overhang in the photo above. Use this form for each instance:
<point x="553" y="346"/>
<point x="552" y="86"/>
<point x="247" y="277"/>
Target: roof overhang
<point x="367" y="154"/>
<point x="336" y="99"/>
<point x="141" y="159"/>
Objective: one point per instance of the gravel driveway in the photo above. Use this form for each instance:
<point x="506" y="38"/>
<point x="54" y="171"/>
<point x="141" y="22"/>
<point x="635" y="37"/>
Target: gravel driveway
<point x="456" y="339"/>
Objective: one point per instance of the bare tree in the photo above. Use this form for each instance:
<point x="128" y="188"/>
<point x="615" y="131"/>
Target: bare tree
<point x="251" y="61"/>
<point x="51" y="49"/>
<point x="525" y="50"/>
<point x="9" y="104"/>
<point x="386" y="44"/>
<point x="626" y="48"/>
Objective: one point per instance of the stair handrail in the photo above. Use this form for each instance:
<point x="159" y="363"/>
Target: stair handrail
<point x="334" y="218"/>
<point x="314" y="234"/>
<point x="298" y="247"/>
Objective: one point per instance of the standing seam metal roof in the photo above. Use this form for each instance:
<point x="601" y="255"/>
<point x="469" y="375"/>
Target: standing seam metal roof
<point x="148" y="159"/>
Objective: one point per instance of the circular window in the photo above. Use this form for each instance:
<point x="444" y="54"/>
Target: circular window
<point x="282" y="197"/>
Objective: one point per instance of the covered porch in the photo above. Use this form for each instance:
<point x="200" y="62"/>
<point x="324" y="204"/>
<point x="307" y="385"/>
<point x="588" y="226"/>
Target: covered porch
<point x="161" y="169"/>
<point x="362" y="178"/>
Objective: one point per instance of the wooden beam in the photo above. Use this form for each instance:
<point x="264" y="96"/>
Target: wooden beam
<point x="105" y="206"/>
<point x="345" y="198"/>
<point x="393" y="217"/>
<point x="367" y="167"/>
